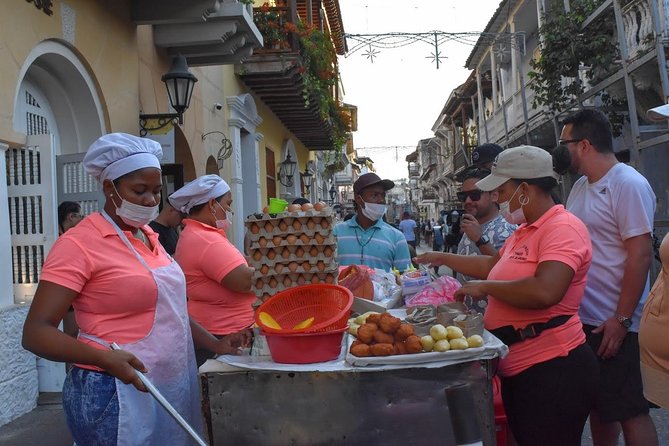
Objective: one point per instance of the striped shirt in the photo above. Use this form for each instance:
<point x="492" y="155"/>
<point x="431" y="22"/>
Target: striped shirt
<point x="380" y="246"/>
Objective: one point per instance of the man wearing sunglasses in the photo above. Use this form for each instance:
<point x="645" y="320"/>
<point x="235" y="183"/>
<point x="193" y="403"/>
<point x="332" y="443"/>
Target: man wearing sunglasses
<point x="484" y="229"/>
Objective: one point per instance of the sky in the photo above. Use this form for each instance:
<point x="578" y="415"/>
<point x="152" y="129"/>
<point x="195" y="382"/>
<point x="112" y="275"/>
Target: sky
<point x="400" y="95"/>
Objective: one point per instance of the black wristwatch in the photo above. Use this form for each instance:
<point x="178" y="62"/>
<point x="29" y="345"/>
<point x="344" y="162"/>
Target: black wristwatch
<point x="482" y="241"/>
<point x="624" y="321"/>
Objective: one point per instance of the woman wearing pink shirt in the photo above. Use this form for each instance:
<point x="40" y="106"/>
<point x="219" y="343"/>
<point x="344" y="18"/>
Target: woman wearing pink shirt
<point x="534" y="287"/>
<point x="218" y="279"/>
<point x="124" y="289"/>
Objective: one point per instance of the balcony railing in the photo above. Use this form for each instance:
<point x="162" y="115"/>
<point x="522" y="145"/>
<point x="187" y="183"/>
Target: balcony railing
<point x="638" y="22"/>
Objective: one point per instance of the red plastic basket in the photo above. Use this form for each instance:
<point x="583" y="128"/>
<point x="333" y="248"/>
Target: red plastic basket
<point x="305" y="348"/>
<point x="329" y="305"/>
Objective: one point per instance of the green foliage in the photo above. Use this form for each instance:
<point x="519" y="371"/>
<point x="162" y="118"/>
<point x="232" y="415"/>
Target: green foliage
<point x="567" y="47"/>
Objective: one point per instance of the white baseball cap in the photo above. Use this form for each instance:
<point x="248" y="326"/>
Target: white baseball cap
<point x="658" y="113"/>
<point x="520" y="163"/>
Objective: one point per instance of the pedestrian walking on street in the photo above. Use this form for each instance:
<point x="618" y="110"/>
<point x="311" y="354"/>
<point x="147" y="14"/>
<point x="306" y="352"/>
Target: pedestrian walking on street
<point x="617" y="205"/>
<point x="408" y="228"/>
<point x="534" y="286"/>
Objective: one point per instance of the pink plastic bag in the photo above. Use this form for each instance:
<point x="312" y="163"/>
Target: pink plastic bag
<point x="441" y="291"/>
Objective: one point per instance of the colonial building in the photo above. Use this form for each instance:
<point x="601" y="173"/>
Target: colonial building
<point x="77" y="69"/>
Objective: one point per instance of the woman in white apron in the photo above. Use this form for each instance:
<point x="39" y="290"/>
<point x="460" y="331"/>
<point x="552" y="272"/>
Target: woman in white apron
<point x="126" y="289"/>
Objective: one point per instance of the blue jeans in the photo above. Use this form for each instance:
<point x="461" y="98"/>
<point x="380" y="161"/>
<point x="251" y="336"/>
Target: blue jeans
<point x="91" y="407"/>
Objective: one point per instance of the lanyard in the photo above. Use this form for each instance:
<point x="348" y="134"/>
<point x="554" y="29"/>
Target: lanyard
<point x="362" y="245"/>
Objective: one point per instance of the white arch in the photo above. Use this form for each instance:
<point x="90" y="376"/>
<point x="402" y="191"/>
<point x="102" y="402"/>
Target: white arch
<point x="71" y="91"/>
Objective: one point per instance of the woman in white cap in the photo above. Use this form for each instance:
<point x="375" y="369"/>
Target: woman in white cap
<point x="218" y="278"/>
<point x="124" y="289"/>
<point x="534" y="286"/>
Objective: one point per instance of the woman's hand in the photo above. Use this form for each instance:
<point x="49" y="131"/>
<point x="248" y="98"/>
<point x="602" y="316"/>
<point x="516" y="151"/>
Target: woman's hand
<point x="473" y="288"/>
<point x="122" y="365"/>
<point x="233" y="343"/>
<point x="431" y="258"/>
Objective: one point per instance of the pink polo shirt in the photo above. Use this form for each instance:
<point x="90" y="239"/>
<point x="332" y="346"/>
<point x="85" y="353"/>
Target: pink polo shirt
<point x="117" y="295"/>
<point x="557" y="236"/>
<point x="207" y="256"/>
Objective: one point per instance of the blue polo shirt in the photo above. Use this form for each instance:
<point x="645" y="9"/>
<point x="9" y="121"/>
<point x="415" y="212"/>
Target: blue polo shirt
<point x="380" y="246"/>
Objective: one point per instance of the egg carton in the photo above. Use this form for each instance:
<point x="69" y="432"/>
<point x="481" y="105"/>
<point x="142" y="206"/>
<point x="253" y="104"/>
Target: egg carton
<point x="265" y="271"/>
<point x="307" y="238"/>
<point x="260" y="217"/>
<point x="287" y="254"/>
<point x="323" y="227"/>
<point x="285" y="281"/>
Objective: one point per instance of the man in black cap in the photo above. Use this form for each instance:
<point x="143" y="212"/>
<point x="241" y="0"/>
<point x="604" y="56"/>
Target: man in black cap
<point x="367" y="239"/>
<point x="484" y="155"/>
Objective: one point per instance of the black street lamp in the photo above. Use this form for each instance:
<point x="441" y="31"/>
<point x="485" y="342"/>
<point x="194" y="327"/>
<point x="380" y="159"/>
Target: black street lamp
<point x="287" y="171"/>
<point x="179" y="82"/>
<point x="307" y="179"/>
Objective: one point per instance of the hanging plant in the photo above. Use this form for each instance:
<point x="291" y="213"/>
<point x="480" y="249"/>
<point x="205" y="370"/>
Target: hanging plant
<point x="567" y="49"/>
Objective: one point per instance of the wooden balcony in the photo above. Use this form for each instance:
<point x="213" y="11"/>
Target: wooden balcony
<point x="276" y="74"/>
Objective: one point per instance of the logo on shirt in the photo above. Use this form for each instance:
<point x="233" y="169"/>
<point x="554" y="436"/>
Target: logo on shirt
<point x="520" y="253"/>
<point x="603" y="191"/>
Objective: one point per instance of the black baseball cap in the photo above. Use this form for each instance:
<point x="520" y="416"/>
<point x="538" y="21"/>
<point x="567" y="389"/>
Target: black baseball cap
<point x="370" y="179"/>
<point x="485" y="153"/>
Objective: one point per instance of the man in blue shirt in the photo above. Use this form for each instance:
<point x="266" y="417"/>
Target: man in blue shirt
<point x="408" y="228"/>
<point x="366" y="239"/>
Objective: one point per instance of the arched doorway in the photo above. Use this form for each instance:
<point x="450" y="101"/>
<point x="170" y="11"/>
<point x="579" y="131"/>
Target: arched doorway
<point x="58" y="107"/>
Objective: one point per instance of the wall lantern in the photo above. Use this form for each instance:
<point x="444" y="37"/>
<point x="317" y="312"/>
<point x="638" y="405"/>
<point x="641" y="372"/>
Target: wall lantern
<point x="287" y="171"/>
<point x="179" y="82"/>
<point x="307" y="178"/>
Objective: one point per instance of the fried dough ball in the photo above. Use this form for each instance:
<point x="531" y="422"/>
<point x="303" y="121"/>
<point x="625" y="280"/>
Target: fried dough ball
<point x="413" y="344"/>
<point x="400" y="348"/>
<point x="361" y="350"/>
<point x="389" y="324"/>
<point x="356" y="342"/>
<point x="404" y="332"/>
<point x="382" y="349"/>
<point x="373" y="318"/>
<point x="383" y="338"/>
<point x="366" y="332"/>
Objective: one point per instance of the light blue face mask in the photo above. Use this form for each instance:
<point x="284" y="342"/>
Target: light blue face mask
<point x="374" y="211"/>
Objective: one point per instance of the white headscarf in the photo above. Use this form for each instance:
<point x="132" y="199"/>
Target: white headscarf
<point x="198" y="191"/>
<point x="116" y="154"/>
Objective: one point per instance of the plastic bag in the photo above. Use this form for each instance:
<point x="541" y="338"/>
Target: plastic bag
<point x="441" y="291"/>
<point x="386" y="290"/>
<point x="357" y="279"/>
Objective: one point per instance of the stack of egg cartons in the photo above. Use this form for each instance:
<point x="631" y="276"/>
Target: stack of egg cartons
<point x="291" y="248"/>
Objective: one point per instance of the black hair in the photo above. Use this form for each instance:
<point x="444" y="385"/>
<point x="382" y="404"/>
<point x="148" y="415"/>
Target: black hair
<point x="594" y="126"/>
<point x="300" y="201"/>
<point x="476" y="173"/>
<point x="66" y="208"/>
<point x="197" y="207"/>
<point x="546" y="184"/>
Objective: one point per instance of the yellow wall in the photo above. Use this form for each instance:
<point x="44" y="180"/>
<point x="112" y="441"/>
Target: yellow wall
<point x="105" y="39"/>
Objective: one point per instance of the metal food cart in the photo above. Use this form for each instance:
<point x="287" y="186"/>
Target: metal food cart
<point x="252" y="401"/>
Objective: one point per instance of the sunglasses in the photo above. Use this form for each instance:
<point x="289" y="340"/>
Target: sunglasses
<point x="474" y="195"/>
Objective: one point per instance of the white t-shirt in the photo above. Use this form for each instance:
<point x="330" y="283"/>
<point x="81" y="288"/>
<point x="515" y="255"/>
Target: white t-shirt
<point x="619" y="206"/>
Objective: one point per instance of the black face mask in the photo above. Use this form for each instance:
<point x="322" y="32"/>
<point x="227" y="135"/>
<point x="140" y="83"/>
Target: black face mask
<point x="561" y="159"/>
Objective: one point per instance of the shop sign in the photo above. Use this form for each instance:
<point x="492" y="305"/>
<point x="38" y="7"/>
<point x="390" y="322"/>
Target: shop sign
<point x="45" y="5"/>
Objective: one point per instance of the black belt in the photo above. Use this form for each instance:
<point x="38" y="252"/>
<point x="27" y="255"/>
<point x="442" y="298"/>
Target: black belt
<point x="509" y="335"/>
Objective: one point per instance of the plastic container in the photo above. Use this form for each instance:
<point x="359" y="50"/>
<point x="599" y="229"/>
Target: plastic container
<point x="277" y="205"/>
<point x="501" y="423"/>
<point x="329" y="305"/>
<point x="304" y="348"/>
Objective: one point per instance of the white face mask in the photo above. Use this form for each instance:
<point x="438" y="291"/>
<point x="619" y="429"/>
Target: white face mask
<point x="374" y="211"/>
<point x="516" y="217"/>
<point x="224" y="224"/>
<point x="135" y="215"/>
